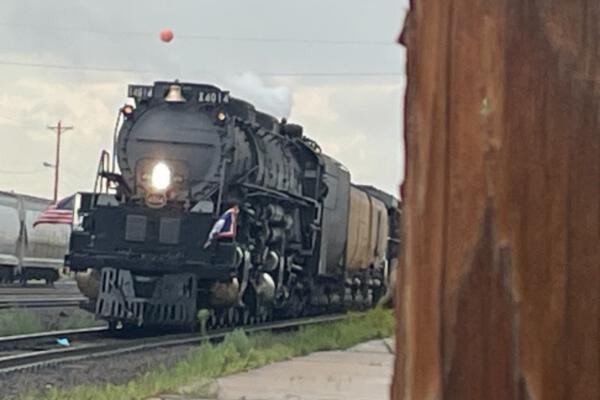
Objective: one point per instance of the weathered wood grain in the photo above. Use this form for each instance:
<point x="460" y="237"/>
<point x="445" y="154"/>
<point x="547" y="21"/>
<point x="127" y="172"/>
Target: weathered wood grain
<point x="499" y="291"/>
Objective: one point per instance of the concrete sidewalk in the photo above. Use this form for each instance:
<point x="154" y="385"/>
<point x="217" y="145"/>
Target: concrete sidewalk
<point x="361" y="373"/>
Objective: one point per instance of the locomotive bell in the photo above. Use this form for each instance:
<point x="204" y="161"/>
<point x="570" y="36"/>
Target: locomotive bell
<point x="174" y="95"/>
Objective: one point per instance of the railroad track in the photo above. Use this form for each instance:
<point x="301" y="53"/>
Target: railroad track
<point x="62" y="294"/>
<point x="40" y="290"/>
<point x="37" y="351"/>
<point x="18" y="288"/>
<point x="40" y="302"/>
<point x="8" y="343"/>
<point x="40" y="296"/>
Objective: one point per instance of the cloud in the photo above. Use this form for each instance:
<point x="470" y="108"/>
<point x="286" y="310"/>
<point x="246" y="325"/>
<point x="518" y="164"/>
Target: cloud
<point x="359" y="125"/>
<point x="33" y="104"/>
<point x="356" y="119"/>
<point x="274" y="100"/>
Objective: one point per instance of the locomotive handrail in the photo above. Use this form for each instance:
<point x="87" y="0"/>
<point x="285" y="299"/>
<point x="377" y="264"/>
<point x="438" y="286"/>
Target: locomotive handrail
<point x="312" y="144"/>
<point x="115" y="137"/>
<point x="221" y="185"/>
<point x="103" y="166"/>
<point x="286" y="196"/>
<point x="117" y="178"/>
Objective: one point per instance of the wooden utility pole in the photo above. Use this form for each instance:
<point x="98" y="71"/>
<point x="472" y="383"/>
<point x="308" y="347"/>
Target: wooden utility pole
<point x="59" y="129"/>
<point x="498" y="297"/>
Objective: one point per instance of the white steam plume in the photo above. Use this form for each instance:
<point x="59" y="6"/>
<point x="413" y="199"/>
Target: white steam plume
<point x="274" y="100"/>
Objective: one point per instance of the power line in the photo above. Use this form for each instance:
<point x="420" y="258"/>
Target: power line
<point x="22" y="172"/>
<point x="10" y="119"/>
<point x="289" y="40"/>
<point x="185" y="36"/>
<point x="69" y="67"/>
<point x="283" y="74"/>
<point x="134" y="70"/>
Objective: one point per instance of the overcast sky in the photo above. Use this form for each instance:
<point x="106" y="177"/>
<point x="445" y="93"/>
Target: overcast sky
<point x="330" y="65"/>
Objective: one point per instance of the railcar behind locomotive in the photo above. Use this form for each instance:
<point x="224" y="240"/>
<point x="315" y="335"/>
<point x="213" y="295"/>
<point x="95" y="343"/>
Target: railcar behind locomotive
<point x="27" y="252"/>
<point x="219" y="206"/>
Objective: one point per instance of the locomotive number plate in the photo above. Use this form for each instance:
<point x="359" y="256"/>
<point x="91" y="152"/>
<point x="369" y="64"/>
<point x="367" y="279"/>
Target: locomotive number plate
<point x="213" y="97"/>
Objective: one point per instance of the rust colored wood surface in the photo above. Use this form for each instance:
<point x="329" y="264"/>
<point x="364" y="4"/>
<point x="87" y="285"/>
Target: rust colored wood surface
<point x="499" y="291"/>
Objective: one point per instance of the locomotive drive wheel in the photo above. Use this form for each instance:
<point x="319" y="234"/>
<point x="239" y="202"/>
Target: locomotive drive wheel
<point x="212" y="320"/>
<point x="234" y="316"/>
<point x="222" y="319"/>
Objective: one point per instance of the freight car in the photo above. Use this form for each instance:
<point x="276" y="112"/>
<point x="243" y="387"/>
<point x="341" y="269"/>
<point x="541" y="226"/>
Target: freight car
<point x="219" y="206"/>
<point x="26" y="252"/>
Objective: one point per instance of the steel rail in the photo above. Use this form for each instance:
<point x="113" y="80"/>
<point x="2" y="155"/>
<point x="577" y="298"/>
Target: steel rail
<point x="42" y="287"/>
<point x="38" y="359"/>
<point x="14" y="341"/>
<point x="18" y="287"/>
<point x="49" y="302"/>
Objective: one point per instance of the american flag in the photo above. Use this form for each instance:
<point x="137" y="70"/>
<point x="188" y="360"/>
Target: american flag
<point x="59" y="213"/>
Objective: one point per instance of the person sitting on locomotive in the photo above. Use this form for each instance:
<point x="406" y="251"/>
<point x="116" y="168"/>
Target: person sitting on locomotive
<point x="225" y="226"/>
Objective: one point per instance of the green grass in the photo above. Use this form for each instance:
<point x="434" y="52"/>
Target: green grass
<point x="75" y="320"/>
<point x="238" y="352"/>
<point x="19" y="321"/>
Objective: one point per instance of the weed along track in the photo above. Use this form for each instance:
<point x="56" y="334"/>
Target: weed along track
<point x="147" y="369"/>
<point x="41" y="350"/>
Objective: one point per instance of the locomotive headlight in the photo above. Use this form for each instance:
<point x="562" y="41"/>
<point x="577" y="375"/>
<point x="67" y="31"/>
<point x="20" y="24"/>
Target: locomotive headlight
<point x="160" y="177"/>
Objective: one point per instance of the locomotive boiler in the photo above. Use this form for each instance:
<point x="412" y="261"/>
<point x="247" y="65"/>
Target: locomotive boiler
<point x="219" y="206"/>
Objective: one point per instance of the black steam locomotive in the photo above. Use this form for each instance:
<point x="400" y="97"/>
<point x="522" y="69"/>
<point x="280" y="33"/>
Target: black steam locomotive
<point x="219" y="206"/>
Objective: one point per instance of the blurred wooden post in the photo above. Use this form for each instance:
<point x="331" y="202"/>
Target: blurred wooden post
<point x="499" y="295"/>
